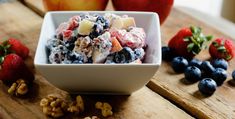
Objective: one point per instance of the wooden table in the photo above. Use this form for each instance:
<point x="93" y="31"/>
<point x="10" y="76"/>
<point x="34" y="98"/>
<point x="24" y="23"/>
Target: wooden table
<point x="181" y="101"/>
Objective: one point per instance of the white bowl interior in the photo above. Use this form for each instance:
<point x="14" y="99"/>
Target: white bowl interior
<point x="147" y="20"/>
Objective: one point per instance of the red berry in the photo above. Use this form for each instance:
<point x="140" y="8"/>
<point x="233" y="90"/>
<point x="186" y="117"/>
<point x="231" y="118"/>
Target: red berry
<point x="17" y="47"/>
<point x="188" y="42"/>
<point x="222" y="48"/>
<point x="13" y="68"/>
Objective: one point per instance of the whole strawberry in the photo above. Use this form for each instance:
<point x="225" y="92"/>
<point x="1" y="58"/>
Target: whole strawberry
<point x="188" y="42"/>
<point x="14" y="46"/>
<point x="13" y="68"/>
<point x="222" y="48"/>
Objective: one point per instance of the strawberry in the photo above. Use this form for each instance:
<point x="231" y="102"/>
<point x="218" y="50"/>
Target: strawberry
<point x="18" y="48"/>
<point x="13" y="68"/>
<point x="222" y="48"/>
<point x="188" y="42"/>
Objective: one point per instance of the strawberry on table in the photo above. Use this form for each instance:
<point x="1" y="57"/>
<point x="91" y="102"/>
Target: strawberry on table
<point x="222" y="48"/>
<point x="188" y="42"/>
<point x="13" y="45"/>
<point x="14" y="68"/>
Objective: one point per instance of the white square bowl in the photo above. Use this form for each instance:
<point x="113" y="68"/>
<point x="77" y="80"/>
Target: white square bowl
<point x="100" y="78"/>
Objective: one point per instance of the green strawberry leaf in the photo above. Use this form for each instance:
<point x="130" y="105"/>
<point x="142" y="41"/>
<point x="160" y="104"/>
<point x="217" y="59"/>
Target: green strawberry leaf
<point x="190" y="47"/>
<point x="221" y="49"/>
<point x="222" y="42"/>
<point x="1" y="59"/>
<point x="215" y="44"/>
<point x="228" y="56"/>
<point x="208" y="38"/>
<point x="186" y="39"/>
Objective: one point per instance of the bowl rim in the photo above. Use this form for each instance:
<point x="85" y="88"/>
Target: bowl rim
<point x="157" y="63"/>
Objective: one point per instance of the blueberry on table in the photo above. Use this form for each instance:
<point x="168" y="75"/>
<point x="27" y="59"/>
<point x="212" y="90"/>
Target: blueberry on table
<point x="220" y="63"/>
<point x="207" y="67"/>
<point x="179" y="64"/>
<point x="167" y="53"/>
<point x="195" y="62"/>
<point x="192" y="74"/>
<point x="207" y="86"/>
<point x="219" y="75"/>
<point x="233" y="75"/>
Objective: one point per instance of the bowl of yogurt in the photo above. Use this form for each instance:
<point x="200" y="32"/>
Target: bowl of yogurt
<point x="107" y="52"/>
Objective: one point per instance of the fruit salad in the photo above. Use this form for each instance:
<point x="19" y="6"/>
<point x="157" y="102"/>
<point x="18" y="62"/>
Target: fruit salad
<point x="108" y="39"/>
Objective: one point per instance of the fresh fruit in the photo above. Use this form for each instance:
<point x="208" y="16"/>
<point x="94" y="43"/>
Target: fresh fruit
<point x="123" y="23"/>
<point x="220" y="63"/>
<point x="195" y="62"/>
<point x="13" y="68"/>
<point x="139" y="53"/>
<point x="126" y="55"/>
<point x="116" y="46"/>
<point x="222" y="48"/>
<point x="97" y="30"/>
<point x="75" y="5"/>
<point x="179" y="64"/>
<point x="219" y="76"/>
<point x="85" y="27"/>
<point x="207" y="68"/>
<point x="188" y="42"/>
<point x="233" y="75"/>
<point x="167" y="53"/>
<point x="192" y="74"/>
<point x="162" y="7"/>
<point x="13" y="45"/>
<point x="207" y="86"/>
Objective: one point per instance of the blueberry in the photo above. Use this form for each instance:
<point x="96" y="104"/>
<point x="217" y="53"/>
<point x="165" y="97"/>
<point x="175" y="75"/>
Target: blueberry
<point x="219" y="75"/>
<point x="192" y="74"/>
<point x="75" y="57"/>
<point x="70" y="43"/>
<point x="139" y="53"/>
<point x="52" y="43"/>
<point x="207" y="86"/>
<point x="233" y="75"/>
<point x="179" y="64"/>
<point x="126" y="55"/>
<point x="104" y="22"/>
<point x="195" y="62"/>
<point x="97" y="30"/>
<point x="167" y="53"/>
<point x="207" y="67"/>
<point x="220" y="63"/>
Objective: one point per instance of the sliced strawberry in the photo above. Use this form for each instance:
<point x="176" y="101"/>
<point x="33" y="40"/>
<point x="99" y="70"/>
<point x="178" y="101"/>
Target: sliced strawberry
<point x="188" y="42"/>
<point x="222" y="48"/>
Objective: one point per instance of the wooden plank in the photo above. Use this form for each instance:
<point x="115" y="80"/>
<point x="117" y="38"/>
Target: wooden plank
<point x="25" y="25"/>
<point x="37" y="6"/>
<point x="172" y="85"/>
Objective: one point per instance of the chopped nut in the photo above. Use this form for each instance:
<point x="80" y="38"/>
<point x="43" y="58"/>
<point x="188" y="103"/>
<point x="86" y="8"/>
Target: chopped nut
<point x="106" y="108"/>
<point x="93" y="117"/>
<point x="53" y="106"/>
<point x="18" y="88"/>
<point x="76" y="107"/>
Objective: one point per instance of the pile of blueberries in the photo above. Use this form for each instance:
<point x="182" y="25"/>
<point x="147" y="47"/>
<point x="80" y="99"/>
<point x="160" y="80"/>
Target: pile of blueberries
<point x="209" y="74"/>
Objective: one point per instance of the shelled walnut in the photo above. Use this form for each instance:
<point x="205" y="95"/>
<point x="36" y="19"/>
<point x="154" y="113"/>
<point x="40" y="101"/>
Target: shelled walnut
<point x="76" y="106"/>
<point x="106" y="108"/>
<point x="20" y="87"/>
<point x="93" y="117"/>
<point x="53" y="106"/>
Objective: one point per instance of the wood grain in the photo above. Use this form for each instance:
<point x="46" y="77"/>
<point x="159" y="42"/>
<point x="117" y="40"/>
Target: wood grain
<point x="25" y="25"/>
<point x="173" y="86"/>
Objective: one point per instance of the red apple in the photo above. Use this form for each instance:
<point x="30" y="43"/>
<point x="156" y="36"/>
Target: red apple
<point x="162" y="7"/>
<point x="50" y="5"/>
